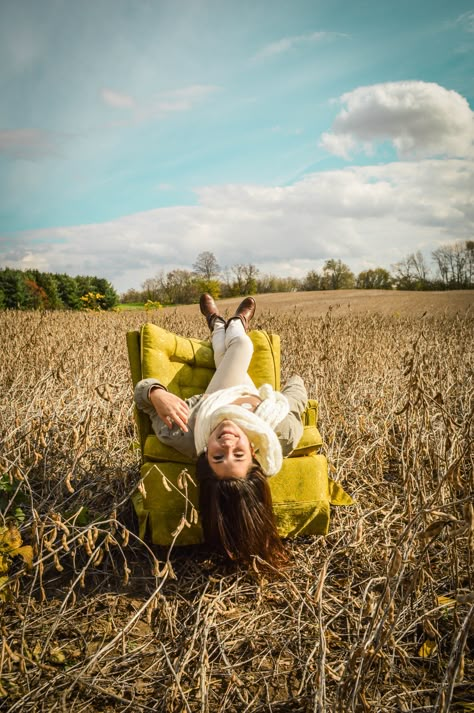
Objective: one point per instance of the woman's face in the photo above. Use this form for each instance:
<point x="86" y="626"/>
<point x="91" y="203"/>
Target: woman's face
<point x="229" y="451"/>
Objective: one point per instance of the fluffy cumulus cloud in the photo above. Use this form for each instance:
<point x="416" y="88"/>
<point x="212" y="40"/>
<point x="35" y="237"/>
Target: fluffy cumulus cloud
<point x="420" y="119"/>
<point x="367" y="216"/>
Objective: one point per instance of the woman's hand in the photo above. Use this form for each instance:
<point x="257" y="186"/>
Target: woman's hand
<point x="170" y="408"/>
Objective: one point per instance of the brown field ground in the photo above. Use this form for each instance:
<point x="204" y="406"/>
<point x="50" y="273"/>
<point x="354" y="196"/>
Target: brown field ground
<point x="316" y="304"/>
<point x="376" y="616"/>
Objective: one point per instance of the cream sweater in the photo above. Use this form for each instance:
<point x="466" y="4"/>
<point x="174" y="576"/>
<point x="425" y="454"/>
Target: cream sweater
<point x="258" y="425"/>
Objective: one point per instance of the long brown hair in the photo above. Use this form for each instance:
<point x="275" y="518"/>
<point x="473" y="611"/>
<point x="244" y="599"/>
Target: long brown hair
<point x="237" y="515"/>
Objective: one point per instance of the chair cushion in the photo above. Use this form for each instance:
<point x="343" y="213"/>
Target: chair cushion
<point x="185" y="366"/>
<point x="301" y="496"/>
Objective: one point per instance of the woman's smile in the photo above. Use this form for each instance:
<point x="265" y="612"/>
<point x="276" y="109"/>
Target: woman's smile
<point x="229" y="451"/>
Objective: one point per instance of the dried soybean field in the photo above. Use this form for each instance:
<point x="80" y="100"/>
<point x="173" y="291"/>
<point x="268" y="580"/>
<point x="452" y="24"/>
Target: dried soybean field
<point x="376" y="616"/>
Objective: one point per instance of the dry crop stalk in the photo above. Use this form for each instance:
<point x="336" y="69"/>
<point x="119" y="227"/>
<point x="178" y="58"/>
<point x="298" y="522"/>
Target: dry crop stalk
<point x="268" y="636"/>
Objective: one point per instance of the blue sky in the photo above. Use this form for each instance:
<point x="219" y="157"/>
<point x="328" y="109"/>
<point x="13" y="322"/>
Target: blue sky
<point x="134" y="135"/>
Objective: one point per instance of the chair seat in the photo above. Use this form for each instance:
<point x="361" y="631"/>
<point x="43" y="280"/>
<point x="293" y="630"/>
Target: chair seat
<point x="168" y="500"/>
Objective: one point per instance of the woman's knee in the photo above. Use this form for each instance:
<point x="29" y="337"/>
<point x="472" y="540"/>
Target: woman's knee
<point x="241" y="343"/>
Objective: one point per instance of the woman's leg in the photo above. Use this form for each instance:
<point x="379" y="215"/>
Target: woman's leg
<point x="233" y="364"/>
<point x="218" y="341"/>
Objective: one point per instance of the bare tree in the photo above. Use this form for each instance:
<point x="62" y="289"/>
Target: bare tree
<point x="153" y="288"/>
<point x="245" y="278"/>
<point x="206" y="265"/>
<point x="419" y="266"/>
<point x="412" y="273"/>
<point x="455" y="263"/>
<point x="181" y="287"/>
<point x="470" y="262"/>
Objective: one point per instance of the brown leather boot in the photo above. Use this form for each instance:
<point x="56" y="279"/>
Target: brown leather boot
<point x="209" y="309"/>
<point x="245" y="311"/>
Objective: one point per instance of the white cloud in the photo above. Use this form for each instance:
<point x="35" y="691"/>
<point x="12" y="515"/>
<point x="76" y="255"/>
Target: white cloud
<point x="285" y="44"/>
<point x="178" y="100"/>
<point x="466" y="20"/>
<point x="117" y="100"/>
<point x="372" y="215"/>
<point x="420" y="119"/>
<point x="30" y="144"/>
<point x="158" y="106"/>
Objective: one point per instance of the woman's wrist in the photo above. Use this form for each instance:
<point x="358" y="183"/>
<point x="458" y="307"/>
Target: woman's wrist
<point x="153" y="388"/>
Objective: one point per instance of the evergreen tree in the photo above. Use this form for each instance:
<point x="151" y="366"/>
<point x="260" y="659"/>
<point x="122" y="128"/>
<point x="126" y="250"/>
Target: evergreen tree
<point x="85" y="284"/>
<point x="46" y="281"/>
<point x="67" y="291"/>
<point x="103" y="287"/>
<point x="12" y="284"/>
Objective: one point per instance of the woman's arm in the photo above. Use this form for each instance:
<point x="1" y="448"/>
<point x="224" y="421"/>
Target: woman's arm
<point x="169" y="407"/>
<point x="159" y="404"/>
<point x="290" y="430"/>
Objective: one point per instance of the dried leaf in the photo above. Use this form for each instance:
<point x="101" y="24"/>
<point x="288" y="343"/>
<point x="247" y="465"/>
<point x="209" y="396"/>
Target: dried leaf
<point x="446" y="602"/>
<point x="5" y="593"/>
<point x="56" y="655"/>
<point x="428" y="649"/>
<point x="434" y="529"/>
<point x="4" y="564"/>
<point x="10" y="538"/>
<point x="26" y="553"/>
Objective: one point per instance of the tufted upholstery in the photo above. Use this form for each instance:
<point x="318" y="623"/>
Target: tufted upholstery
<point x="166" y="501"/>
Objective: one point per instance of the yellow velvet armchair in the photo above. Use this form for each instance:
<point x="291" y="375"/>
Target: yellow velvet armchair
<point x="167" y="497"/>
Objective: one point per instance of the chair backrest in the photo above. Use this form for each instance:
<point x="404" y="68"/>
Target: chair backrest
<point x="186" y="365"/>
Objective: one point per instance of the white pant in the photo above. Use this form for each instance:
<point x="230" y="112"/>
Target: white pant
<point x="233" y="351"/>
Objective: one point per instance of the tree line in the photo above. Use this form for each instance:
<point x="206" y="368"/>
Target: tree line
<point x="453" y="269"/>
<point x="32" y="289"/>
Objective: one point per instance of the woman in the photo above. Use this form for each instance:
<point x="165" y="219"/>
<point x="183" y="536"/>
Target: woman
<point x="238" y="435"/>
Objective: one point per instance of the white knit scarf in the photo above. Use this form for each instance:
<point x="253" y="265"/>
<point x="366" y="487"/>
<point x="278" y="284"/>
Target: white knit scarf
<point x="258" y="425"/>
